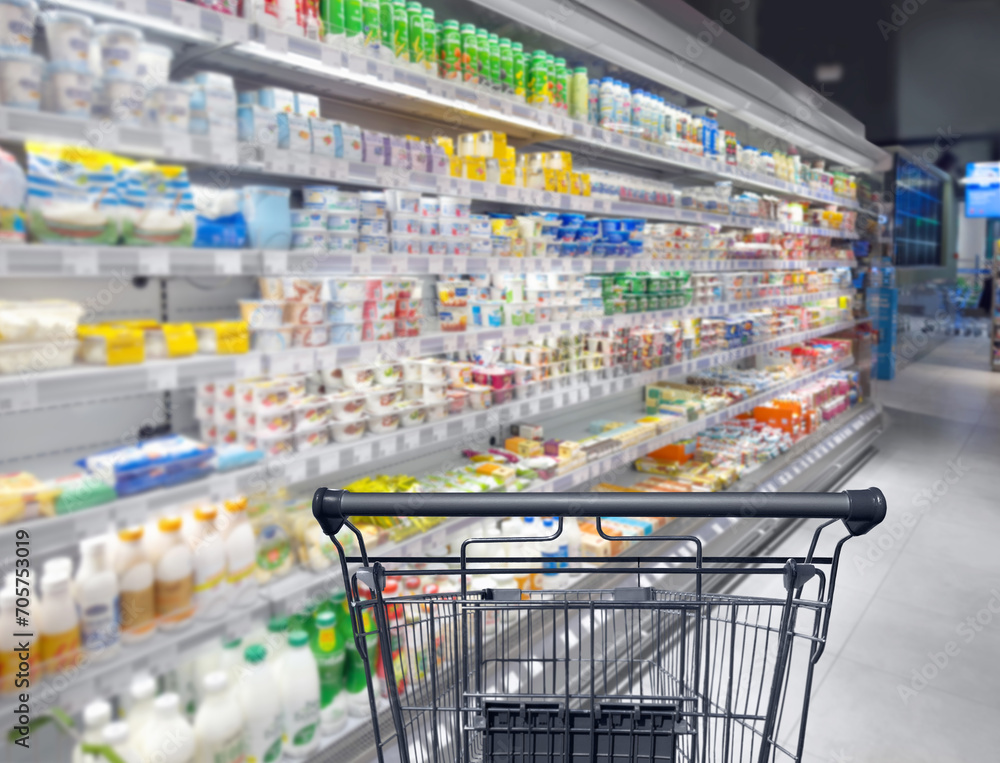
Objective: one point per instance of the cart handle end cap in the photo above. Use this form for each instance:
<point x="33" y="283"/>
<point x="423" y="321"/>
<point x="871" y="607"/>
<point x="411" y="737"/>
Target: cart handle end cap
<point x="867" y="510"/>
<point x="327" y="510"/>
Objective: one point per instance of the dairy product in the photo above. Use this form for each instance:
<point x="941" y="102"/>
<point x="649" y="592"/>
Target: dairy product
<point x="168" y="737"/>
<point x="117" y="48"/>
<point x="259" y="697"/>
<point x="137" y="602"/>
<point x="17" y="24"/>
<point x="59" y="624"/>
<point x="142" y="695"/>
<point x="96" y="593"/>
<point x="218" y="724"/>
<point x="20" y="79"/>
<point x="209" y="550"/>
<point x="174" y="575"/>
<point x="96" y="716"/>
<point x="117" y="736"/>
<point x="300" y="696"/>
<point x="68" y="35"/>
<point x="11" y="640"/>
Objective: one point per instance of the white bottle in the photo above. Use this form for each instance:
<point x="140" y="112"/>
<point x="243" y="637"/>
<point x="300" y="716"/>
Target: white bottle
<point x="551" y="552"/>
<point x="173" y="571"/>
<point x="231" y="661"/>
<point x="96" y="716"/>
<point x="573" y="537"/>
<point x="207" y="661"/>
<point x="136" y="596"/>
<point x="142" y="694"/>
<point x="300" y="696"/>
<point x="96" y="593"/>
<point x="209" y="552"/>
<point x="241" y="554"/>
<point x="59" y="624"/>
<point x="118" y="737"/>
<point x="260" y="699"/>
<point x="168" y="738"/>
<point x="218" y="726"/>
<point x="12" y="638"/>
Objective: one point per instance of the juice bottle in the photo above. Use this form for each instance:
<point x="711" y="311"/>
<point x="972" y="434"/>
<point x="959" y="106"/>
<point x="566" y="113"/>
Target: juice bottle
<point x="483" y="62"/>
<point x="385" y="22"/>
<point x="579" y="94"/>
<point x="430" y="41"/>
<point x="506" y="66"/>
<point x="517" y="51"/>
<point x="371" y="26"/>
<point x="450" y="50"/>
<point x="332" y="13"/>
<point x="550" y="80"/>
<point x="328" y="649"/>
<point x="494" y="51"/>
<point x="470" y="55"/>
<point x="353" y="19"/>
<point x="538" y="76"/>
<point x="400" y="29"/>
<point x="561" y="85"/>
<point x="415" y="30"/>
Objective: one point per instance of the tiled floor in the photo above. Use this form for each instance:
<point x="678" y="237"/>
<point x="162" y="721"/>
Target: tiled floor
<point x="909" y="594"/>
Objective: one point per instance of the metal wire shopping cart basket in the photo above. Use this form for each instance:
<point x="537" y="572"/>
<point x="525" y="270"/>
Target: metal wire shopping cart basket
<point x="572" y="674"/>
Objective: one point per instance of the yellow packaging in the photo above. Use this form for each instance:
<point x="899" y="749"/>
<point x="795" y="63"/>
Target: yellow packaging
<point x="457" y="166"/>
<point x="122" y="345"/>
<point x="562" y="181"/>
<point x="560" y="160"/>
<point x="231" y="337"/>
<point x="509" y="152"/>
<point x="23" y="496"/>
<point x="568" y="449"/>
<point x="585" y="184"/>
<point x="499" y="472"/>
<point x="574" y="184"/>
<point x="171" y="340"/>
<point x="524" y="447"/>
<point x="446" y="143"/>
<point x="475" y="168"/>
<point x="551" y="180"/>
<point x="508" y="172"/>
<point x="499" y="146"/>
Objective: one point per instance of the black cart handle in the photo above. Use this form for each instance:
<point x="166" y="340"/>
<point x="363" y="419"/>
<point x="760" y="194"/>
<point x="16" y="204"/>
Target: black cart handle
<point x="861" y="510"/>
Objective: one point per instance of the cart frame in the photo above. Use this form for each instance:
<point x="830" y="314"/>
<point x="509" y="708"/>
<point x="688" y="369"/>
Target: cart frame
<point x="676" y="682"/>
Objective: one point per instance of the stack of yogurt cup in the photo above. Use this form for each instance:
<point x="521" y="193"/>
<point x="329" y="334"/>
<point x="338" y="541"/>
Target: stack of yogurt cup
<point x="328" y="221"/>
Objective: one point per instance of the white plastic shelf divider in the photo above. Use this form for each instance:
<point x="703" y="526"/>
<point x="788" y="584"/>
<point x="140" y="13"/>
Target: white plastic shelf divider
<point x="82" y="383"/>
<point x="62" y="532"/>
<point x="410" y="89"/>
<point x="623" y="458"/>
<point x="40" y="260"/>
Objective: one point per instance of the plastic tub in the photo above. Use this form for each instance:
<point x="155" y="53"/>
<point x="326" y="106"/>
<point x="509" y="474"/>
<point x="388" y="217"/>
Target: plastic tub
<point x="312" y="412"/>
<point x="487" y="314"/>
<point x="434" y="392"/>
<point x="454" y="227"/>
<point x="413" y="390"/>
<point x="261" y="314"/>
<point x="404" y="244"/>
<point x="348" y="431"/>
<point x="381" y="400"/>
<point x="347" y="312"/>
<point x="378" y="331"/>
<point x="21" y="79"/>
<point x="403" y="202"/>
<point x="480" y="247"/>
<point x="384" y="424"/>
<point x="411" y="414"/>
<point x="346" y="405"/>
<point x="373" y="226"/>
<point x="272" y="421"/>
<point x="430" y="206"/>
<point x="122" y="98"/>
<point x="411" y="369"/>
<point x="390" y="288"/>
<point x="354" y="289"/>
<point x="380" y="310"/>
<point x="345" y="333"/>
<point x="430" y="226"/>
<point x="388" y="375"/>
<point x="172" y="106"/>
<point x="308" y="220"/>
<point x="305" y="313"/>
<point x="432" y="370"/>
<point x="372" y="204"/>
<point x="270" y="444"/>
<point x="341" y="243"/>
<point x="373" y="244"/>
<point x="303" y="289"/>
<point x="433" y="245"/>
<point x="310" y="336"/>
<point x="17" y="25"/>
<point x="480" y="397"/>
<point x="453" y="319"/>
<point x="458" y="372"/>
<point x="408" y="308"/>
<point x="453" y="293"/>
<point x="437" y="411"/>
<point x="456" y="400"/>
<point x="453" y="206"/>
<point x="317" y="438"/>
<point x="358" y="376"/>
<point x="27" y="357"/>
<point x="118" y="47"/>
<point x="68" y="35"/>
<point x="405" y="224"/>
<point x="342" y="222"/>
<point x="155" y="61"/>
<point x="271" y="339"/>
<point x="310" y="241"/>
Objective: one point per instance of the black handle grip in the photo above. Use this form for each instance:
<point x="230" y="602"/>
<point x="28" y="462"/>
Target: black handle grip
<point x="861" y="510"/>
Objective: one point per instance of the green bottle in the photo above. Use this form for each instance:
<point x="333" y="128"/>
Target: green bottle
<point x="550" y="79"/>
<point x="400" y="30"/>
<point x="494" y="79"/>
<point x="519" y="69"/>
<point x="277" y="631"/>
<point x="450" y="51"/>
<point x="385" y="22"/>
<point x="470" y="54"/>
<point x="371" y="26"/>
<point x="328" y="649"/>
<point x="353" y="23"/>
<point x="483" y="62"/>
<point x="415" y="28"/>
<point x="332" y="14"/>
<point x="506" y="66"/>
<point x="430" y="41"/>
<point x="560" y="85"/>
<point x="538" y="78"/>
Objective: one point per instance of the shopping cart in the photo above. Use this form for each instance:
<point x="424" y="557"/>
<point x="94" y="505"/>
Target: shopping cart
<point x="601" y="675"/>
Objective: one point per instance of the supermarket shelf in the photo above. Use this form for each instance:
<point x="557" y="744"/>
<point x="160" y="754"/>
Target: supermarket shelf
<point x="40" y="260"/>
<point x="352" y="74"/>
<point x="82" y="383"/>
<point x="60" y="533"/>
<point x="623" y="458"/>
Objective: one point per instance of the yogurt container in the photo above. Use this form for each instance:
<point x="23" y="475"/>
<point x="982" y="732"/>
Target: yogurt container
<point x="413" y="391"/>
<point x="407" y="202"/>
<point x="430" y="226"/>
<point x="316" y="438"/>
<point x="453" y="206"/>
<point x="388" y="375"/>
<point x="118" y="49"/>
<point x="155" y="61"/>
<point x="345" y="333"/>
<point x="411" y="414"/>
<point x="404" y="244"/>
<point x="434" y="392"/>
<point x="17" y="25"/>
<point x="408" y="224"/>
<point x="438" y="411"/>
<point x="272" y="444"/>
<point x="308" y="220"/>
<point x="68" y="35"/>
<point x="342" y="222"/>
<point x="373" y="244"/>
<point x="358" y="376"/>
<point x="312" y="412"/>
<point x="346" y="312"/>
<point x="171" y="105"/>
<point x="354" y="289"/>
<point x="347" y="405"/>
<point x="310" y="336"/>
<point x="456" y="401"/>
<point x="318" y="197"/>
<point x="271" y="339"/>
<point x="20" y="79"/>
<point x="67" y="88"/>
<point x="313" y="241"/>
<point x="384" y="424"/>
<point x="378" y="331"/>
<point x="454" y="227"/>
<point x="433" y="371"/>
<point x="373" y="226"/>
<point x="124" y="99"/>
<point x="300" y="289"/>
<point x="382" y="400"/>
<point x="305" y="313"/>
<point x="336" y="242"/>
<point x="430" y="206"/>
<point x="348" y="431"/>
<point x="261" y="314"/>
<point x="372" y="204"/>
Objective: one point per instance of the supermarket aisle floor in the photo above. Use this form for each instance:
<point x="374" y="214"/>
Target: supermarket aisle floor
<point x="911" y="671"/>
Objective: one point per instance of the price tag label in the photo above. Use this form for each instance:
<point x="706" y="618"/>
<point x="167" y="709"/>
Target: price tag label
<point x="154" y="262"/>
<point x="411" y="439"/>
<point x="176" y="145"/>
<point x="295" y="471"/>
<point x="228" y="263"/>
<point x="275" y="263"/>
<point x="82" y="263"/>
<point x="161" y="377"/>
<point x="247" y="366"/>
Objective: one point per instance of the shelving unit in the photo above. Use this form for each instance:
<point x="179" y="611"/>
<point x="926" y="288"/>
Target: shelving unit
<point x="65" y="405"/>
